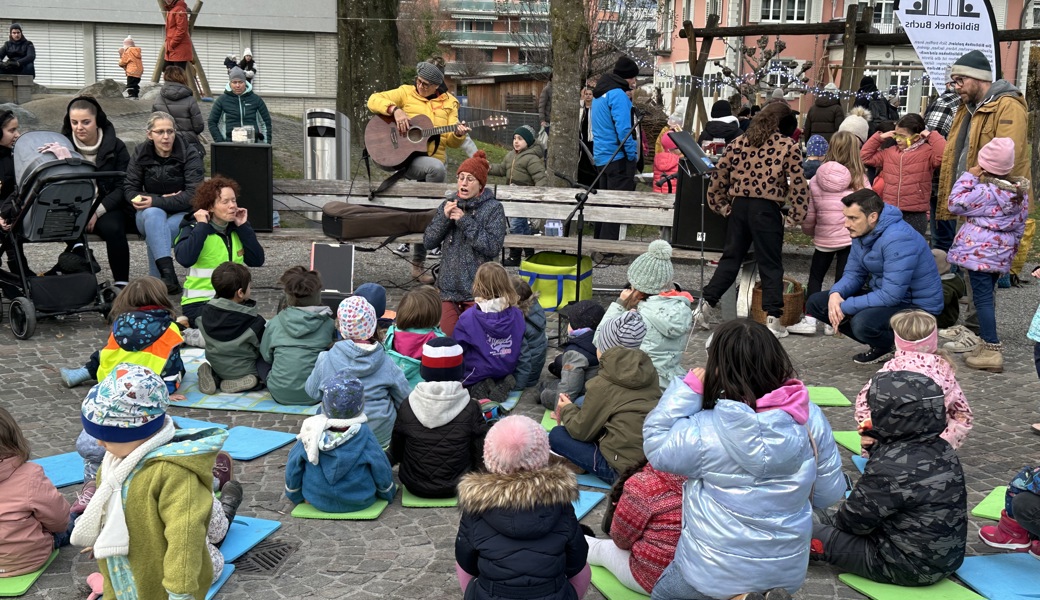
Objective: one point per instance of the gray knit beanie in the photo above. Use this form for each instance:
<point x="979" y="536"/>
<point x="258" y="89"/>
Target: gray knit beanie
<point x="627" y="330"/>
<point x="429" y="72"/>
<point x="652" y="271"/>
<point x="974" y="65"/>
<point x="236" y="73"/>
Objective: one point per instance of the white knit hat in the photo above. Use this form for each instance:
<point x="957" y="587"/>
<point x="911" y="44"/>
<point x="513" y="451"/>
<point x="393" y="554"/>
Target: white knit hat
<point x="247" y="52"/>
<point x="857" y="123"/>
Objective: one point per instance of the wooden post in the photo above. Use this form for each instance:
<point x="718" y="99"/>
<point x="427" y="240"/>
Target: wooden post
<point x="1033" y="101"/>
<point x="691" y="59"/>
<point x="697" y="93"/>
<point x="860" y="62"/>
<point x="849" y="55"/>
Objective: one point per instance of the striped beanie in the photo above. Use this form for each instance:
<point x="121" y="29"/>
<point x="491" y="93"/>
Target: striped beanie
<point x="626" y="330"/>
<point x="442" y="360"/>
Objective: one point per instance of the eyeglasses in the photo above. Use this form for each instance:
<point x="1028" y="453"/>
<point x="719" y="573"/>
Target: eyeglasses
<point x="423" y="84"/>
<point x="463" y="178"/>
<point x="164" y="132"/>
<point x="957" y="82"/>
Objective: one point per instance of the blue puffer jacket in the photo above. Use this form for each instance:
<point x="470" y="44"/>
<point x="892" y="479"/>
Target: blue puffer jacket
<point x="894" y="260"/>
<point x="533" y="350"/>
<point x="611" y="120"/>
<point x="747" y="519"/>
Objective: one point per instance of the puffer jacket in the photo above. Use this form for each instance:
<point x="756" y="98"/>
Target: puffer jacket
<point x="1002" y="113"/>
<point x="438" y="437"/>
<point x="442" y="110"/>
<point x="825" y="221"/>
<point x="404" y="347"/>
<point x="996" y="211"/>
<point x="747" y="510"/>
<point x="824" y="118"/>
<point x="907" y="171"/>
<point x="31" y="511"/>
<point x="466" y="244"/>
<point x="522" y="168"/>
<point x="130" y="60"/>
<point x="231" y="110"/>
<point x="665" y="163"/>
<point x="910" y="501"/>
<point x="518" y="532"/>
<point x="668" y="320"/>
<point x="726" y="128"/>
<point x="112" y="155"/>
<point x="178" y="39"/>
<point x="177" y="100"/>
<point x="149" y="174"/>
<point x="291" y="344"/>
<point x="233" y="333"/>
<point x="533" y="351"/>
<point x="611" y="117"/>
<point x="22" y="52"/>
<point x="894" y="260"/>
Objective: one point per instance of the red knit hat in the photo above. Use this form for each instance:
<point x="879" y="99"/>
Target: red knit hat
<point x="477" y="166"/>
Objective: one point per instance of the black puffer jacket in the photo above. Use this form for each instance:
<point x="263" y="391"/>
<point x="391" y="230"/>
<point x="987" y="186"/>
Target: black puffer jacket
<point x="824" y="118"/>
<point x="727" y="129"/>
<point x="177" y="100"/>
<point x="518" y="534"/>
<point x="152" y="175"/>
<point x="910" y="501"/>
<point x="112" y="156"/>
<point x="438" y="437"/>
<point x="22" y="52"/>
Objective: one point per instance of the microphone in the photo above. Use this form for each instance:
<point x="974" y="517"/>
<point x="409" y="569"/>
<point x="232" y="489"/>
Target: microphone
<point x="660" y="182"/>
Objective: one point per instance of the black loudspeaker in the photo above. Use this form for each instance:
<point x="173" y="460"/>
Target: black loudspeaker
<point x="687" y="231"/>
<point x="252" y="166"/>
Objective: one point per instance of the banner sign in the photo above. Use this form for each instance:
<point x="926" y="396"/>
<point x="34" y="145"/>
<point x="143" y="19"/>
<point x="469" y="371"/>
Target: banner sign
<point x="942" y="31"/>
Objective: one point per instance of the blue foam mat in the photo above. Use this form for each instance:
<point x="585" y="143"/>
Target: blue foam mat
<point x="511" y="400"/>
<point x="62" y="469"/>
<point x="243" y="534"/>
<point x="186" y="423"/>
<point x="247" y="443"/>
<point x="255" y="401"/>
<point x="590" y="480"/>
<point x="860" y="462"/>
<point x="586" y="502"/>
<point x="224" y="575"/>
<point x="1007" y="576"/>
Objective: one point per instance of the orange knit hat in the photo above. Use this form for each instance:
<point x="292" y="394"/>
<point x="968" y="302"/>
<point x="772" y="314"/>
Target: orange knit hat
<point x="477" y="166"/>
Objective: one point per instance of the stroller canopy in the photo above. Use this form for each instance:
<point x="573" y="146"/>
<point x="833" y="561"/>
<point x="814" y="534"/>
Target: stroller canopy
<point x="28" y="160"/>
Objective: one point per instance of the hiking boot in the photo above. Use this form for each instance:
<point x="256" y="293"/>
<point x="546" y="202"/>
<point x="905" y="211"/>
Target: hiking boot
<point x="73" y="377"/>
<point x="231" y="499"/>
<point x="987" y="357"/>
<point x="239" y="384"/>
<point x="207" y="380"/>
<point x="873" y="356"/>
<point x="168" y="275"/>
<point x="1006" y="534"/>
<point x="222" y="470"/>
<point x="966" y="342"/>
<point x="84" y="496"/>
<point x="193" y="337"/>
<point x="704" y="315"/>
<point x="776" y="327"/>
<point x="420" y="275"/>
<point x="807" y="326"/>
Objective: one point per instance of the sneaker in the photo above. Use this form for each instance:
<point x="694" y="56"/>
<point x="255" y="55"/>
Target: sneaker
<point x="193" y="337"/>
<point x="73" y="377"/>
<point x="1007" y="534"/>
<point x="966" y="342"/>
<point x="84" y="496"/>
<point x="704" y="315"/>
<point x="828" y="330"/>
<point x="231" y="499"/>
<point x="952" y="333"/>
<point x="240" y="384"/>
<point x="873" y="356"/>
<point x="777" y="594"/>
<point x="774" y="325"/>
<point x="433" y="253"/>
<point x="807" y="326"/>
<point x="207" y="380"/>
<point x="1034" y="549"/>
<point x="222" y="470"/>
<point x="403" y="250"/>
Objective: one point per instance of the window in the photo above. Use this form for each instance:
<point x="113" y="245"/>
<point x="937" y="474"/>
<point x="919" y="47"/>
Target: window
<point x="784" y="11"/>
<point x="884" y="12"/>
<point x="605" y="28"/>
<point x="471" y="25"/>
<point x="533" y="57"/>
<point x="686" y="10"/>
<point x="891" y="80"/>
<point x="682" y="85"/>
<point x="711" y="7"/>
<point x="534" y="26"/>
<point x="778" y="75"/>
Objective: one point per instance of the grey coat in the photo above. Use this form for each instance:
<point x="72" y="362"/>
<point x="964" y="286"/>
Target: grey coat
<point x="465" y="244"/>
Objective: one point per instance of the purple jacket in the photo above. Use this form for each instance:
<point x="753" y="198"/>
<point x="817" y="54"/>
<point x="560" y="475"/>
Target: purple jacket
<point x="491" y="342"/>
<point x="996" y="212"/>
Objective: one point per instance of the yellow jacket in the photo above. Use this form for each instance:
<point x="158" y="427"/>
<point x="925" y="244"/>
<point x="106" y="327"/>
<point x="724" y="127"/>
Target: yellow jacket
<point x="1003" y="116"/>
<point x="442" y="110"/>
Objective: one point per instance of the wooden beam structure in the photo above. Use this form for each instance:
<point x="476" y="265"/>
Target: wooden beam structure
<point x="697" y="71"/>
<point x="849" y="55"/>
<point x="195" y="66"/>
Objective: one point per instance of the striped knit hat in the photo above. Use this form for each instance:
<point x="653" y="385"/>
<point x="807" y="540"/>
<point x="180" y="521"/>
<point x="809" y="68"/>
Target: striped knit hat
<point x="442" y="360"/>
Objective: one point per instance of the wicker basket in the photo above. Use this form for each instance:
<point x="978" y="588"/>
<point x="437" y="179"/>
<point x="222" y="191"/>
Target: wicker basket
<point x="794" y="304"/>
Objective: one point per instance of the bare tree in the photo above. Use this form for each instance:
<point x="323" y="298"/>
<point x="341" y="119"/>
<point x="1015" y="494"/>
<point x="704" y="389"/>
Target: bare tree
<point x="570" y="38"/>
<point x="471" y="62"/>
<point x="368" y="56"/>
<point x="763" y="58"/>
<point x="420" y="30"/>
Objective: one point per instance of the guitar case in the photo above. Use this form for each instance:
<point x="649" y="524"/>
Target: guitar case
<point x="345" y="221"/>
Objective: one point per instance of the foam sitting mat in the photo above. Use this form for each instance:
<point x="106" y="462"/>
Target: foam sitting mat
<point x="256" y="401"/>
<point x="306" y="511"/>
<point x="410" y="500"/>
<point x="991" y="505"/>
<point x="586" y="502"/>
<point x="611" y="588"/>
<point x="1009" y="576"/>
<point x="827" y="396"/>
<point x="62" y="469"/>
<point x="860" y="462"/>
<point x="247" y="443"/>
<point x="219" y="583"/>
<point x="548" y="422"/>
<point x="20" y="584"/>
<point x="186" y="423"/>
<point x="944" y="590"/>
<point x="848" y="439"/>
<point x="590" y="480"/>
<point x="511" y="400"/>
<point x="243" y="534"/>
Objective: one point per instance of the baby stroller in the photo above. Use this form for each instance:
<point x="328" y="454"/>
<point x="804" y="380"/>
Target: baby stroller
<point x="55" y="197"/>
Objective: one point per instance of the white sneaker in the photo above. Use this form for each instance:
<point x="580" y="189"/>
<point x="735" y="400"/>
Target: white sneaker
<point x="828" y="330"/>
<point x="953" y="333"/>
<point x="773" y="323"/>
<point x="193" y="337"/>
<point x="967" y="342"/>
<point x="807" y="326"/>
<point x="704" y="315"/>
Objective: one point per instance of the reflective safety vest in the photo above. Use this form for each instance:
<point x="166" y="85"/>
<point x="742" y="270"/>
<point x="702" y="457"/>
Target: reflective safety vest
<point x="154" y="357"/>
<point x="217" y="250"/>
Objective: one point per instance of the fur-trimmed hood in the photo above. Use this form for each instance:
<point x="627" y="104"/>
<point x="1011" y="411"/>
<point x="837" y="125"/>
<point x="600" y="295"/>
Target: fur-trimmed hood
<point x="483" y="492"/>
<point x="1019" y="186"/>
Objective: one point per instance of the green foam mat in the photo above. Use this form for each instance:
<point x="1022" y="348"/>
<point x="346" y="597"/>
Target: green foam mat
<point x="991" y="505"/>
<point x="20" y="584"/>
<point x="944" y="590"/>
<point x="848" y="439"/>
<point x="611" y="588"/>
<point x="827" y="396"/>
<point x="410" y="500"/>
<point x="548" y="422"/>
<point x="306" y="511"/>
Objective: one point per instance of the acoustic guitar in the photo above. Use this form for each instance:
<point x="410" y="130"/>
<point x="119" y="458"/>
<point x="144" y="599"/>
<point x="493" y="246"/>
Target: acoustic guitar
<point x="390" y="149"/>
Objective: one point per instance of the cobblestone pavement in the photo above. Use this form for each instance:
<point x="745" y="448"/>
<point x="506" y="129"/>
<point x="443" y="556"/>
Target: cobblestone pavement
<point x="408" y="553"/>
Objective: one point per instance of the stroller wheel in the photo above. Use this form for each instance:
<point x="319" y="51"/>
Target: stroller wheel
<point x="22" y="315"/>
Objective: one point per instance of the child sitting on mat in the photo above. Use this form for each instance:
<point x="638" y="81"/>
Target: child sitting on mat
<point x="604" y="436"/>
<point x="577" y="362"/>
<point x="1019" y="525"/>
<point x="376" y="296"/>
<point x="337" y="465"/>
<point x="491" y="334"/>
<point x="439" y="432"/>
<point x="360" y="354"/>
<point x="535" y="344"/>
<point x="906" y="521"/>
<point x="295" y="337"/>
<point x="518" y="535"/>
<point x="418" y="322"/>
<point x="35" y="514"/>
<point x="233" y="331"/>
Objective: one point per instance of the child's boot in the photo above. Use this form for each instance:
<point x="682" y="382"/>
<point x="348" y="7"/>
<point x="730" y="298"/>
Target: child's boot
<point x="223" y="470"/>
<point x="1006" y="534"/>
<point x="987" y="357"/>
<point x="420" y="274"/>
<point x="207" y="380"/>
<point x="231" y="499"/>
<point x="83" y="498"/>
<point x="73" y="377"/>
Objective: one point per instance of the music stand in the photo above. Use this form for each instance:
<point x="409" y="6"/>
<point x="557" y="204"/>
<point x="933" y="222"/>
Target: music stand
<point x="702" y="165"/>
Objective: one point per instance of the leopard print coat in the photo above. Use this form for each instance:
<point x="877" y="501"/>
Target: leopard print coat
<point x="772" y="171"/>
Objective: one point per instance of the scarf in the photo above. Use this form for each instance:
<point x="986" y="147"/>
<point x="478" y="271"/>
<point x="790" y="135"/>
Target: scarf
<point x="103" y="524"/>
<point x="312" y="432"/>
<point x="89" y="152"/>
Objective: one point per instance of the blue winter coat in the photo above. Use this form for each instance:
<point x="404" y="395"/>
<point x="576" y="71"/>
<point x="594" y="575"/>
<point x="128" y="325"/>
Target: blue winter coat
<point x="612" y="120"/>
<point x="351" y="473"/>
<point x="533" y="350"/>
<point x="385" y="384"/>
<point x="894" y="260"/>
<point x="747" y="516"/>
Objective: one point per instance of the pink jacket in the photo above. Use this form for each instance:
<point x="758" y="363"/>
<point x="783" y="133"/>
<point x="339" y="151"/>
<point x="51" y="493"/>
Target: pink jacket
<point x="825" y="221"/>
<point x="996" y="211"/>
<point x="665" y="163"/>
<point x="31" y="509"/>
<point x="958" y="413"/>
<point x="907" y="171"/>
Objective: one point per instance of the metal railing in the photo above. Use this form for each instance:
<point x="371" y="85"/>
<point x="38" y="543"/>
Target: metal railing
<point x="502" y="136"/>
